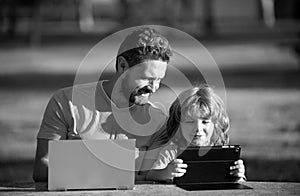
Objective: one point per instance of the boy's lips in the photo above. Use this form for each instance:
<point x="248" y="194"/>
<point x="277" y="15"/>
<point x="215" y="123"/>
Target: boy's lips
<point x="198" y="137"/>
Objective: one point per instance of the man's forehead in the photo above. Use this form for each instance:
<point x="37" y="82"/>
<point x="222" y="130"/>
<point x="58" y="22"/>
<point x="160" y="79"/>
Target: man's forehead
<point x="154" y="68"/>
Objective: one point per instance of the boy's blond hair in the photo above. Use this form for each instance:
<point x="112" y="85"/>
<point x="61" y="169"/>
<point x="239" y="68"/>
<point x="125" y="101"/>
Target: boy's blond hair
<point x="203" y="102"/>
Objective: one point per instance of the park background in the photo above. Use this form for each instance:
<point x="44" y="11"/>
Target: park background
<point x="255" y="43"/>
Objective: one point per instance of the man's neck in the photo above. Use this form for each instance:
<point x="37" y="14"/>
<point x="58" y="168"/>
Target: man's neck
<point x="107" y="87"/>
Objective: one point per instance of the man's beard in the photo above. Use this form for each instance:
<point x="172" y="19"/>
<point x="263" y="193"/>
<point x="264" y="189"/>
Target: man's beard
<point x="140" y="96"/>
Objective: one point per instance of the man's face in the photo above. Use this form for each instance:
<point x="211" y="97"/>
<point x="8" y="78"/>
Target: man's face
<point x="142" y="80"/>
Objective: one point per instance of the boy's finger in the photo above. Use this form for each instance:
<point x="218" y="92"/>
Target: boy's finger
<point x="178" y="161"/>
<point x="237" y="171"/>
<point x="179" y="170"/>
<point x="233" y="167"/>
<point x="182" y="165"/>
<point x="234" y="173"/>
<point x="237" y="167"/>
<point x="175" y="174"/>
<point x="240" y="161"/>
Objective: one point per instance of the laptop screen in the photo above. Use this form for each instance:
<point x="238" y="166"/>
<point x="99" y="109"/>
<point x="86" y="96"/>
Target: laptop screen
<point x="91" y="164"/>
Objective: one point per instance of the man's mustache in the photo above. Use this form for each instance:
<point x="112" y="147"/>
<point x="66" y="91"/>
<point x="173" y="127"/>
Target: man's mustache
<point x="145" y="90"/>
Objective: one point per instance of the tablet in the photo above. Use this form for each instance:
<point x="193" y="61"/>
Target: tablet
<point x="209" y="164"/>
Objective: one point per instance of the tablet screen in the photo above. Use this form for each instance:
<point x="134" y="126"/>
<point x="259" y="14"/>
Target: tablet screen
<point x="208" y="164"/>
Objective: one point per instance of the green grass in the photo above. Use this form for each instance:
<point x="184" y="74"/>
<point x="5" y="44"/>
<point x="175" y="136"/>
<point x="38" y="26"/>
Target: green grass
<point x="265" y="122"/>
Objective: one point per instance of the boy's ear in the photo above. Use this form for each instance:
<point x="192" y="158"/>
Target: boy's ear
<point x="122" y="64"/>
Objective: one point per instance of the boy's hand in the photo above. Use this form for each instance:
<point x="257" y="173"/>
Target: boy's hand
<point x="176" y="168"/>
<point x="238" y="170"/>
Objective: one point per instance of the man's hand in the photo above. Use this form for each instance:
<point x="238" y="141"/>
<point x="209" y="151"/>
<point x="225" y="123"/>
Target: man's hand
<point x="176" y="168"/>
<point x="40" y="170"/>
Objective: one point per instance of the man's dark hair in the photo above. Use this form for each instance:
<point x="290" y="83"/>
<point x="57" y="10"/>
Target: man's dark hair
<point x="144" y="44"/>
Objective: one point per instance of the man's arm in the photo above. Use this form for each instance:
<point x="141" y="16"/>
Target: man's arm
<point x="53" y="127"/>
<point x="40" y="170"/>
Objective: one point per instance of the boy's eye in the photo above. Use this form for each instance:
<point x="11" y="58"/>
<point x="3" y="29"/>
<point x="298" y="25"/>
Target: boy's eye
<point x="206" y="121"/>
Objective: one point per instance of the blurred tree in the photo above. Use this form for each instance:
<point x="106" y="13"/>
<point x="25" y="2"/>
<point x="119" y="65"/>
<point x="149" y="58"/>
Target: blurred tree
<point x="10" y="10"/>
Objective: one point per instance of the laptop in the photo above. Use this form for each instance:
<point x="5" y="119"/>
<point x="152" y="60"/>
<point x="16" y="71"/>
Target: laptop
<point x="91" y="164"/>
<point x="208" y="168"/>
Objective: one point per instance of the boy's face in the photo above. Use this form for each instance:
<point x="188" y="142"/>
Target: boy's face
<point x="197" y="131"/>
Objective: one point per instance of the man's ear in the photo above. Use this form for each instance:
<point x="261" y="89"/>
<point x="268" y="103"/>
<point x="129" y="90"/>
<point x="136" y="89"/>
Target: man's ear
<point x="122" y="64"/>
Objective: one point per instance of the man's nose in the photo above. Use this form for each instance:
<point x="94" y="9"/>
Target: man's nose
<point x="155" y="85"/>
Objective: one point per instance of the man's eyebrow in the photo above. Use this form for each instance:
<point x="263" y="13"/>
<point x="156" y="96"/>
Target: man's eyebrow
<point x="153" y="78"/>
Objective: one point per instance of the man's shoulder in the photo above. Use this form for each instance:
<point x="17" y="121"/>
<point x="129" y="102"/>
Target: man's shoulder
<point x="86" y="89"/>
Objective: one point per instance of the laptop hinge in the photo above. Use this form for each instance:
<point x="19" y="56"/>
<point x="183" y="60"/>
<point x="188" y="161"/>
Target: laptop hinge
<point x="125" y="188"/>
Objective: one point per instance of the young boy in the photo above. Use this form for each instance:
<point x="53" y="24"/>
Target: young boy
<point x="197" y="117"/>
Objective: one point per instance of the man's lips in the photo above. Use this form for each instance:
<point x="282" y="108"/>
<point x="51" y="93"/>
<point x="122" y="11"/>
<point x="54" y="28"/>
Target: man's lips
<point x="145" y="91"/>
<point x="145" y="95"/>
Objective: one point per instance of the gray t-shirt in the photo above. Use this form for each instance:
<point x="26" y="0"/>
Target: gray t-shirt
<point x="86" y="112"/>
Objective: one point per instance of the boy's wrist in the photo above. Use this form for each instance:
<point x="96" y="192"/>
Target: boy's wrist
<point x="242" y="179"/>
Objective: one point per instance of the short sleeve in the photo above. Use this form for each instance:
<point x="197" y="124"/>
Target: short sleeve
<point x="54" y="126"/>
<point x="165" y="156"/>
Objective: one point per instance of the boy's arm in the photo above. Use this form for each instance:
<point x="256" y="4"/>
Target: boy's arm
<point x="40" y="170"/>
<point x="176" y="168"/>
<point x="156" y="175"/>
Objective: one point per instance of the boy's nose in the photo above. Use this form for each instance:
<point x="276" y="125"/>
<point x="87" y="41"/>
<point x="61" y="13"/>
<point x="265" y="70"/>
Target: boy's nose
<point x="200" y="131"/>
<point x="200" y="128"/>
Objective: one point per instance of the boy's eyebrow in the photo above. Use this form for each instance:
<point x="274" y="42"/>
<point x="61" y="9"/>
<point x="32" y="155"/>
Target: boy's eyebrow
<point x="199" y="116"/>
<point x="206" y="118"/>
